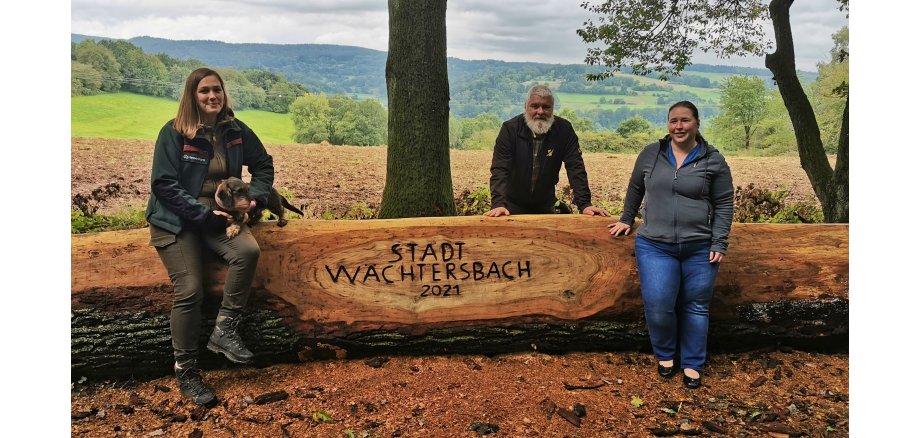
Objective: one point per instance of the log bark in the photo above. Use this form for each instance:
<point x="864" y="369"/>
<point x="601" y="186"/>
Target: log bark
<point x="553" y="283"/>
<point x="418" y="179"/>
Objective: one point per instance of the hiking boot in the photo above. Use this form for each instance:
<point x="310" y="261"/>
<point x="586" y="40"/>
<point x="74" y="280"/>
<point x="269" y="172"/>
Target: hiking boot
<point x="192" y="386"/>
<point x="225" y="340"/>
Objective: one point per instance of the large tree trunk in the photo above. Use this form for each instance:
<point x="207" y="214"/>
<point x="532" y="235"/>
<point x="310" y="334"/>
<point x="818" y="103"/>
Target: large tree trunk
<point x="832" y="188"/>
<point x="553" y="283"/>
<point x="418" y="149"/>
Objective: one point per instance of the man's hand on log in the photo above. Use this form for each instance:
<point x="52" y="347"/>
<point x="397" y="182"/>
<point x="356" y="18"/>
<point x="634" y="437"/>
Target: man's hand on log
<point x="592" y="211"/>
<point x="498" y="211"/>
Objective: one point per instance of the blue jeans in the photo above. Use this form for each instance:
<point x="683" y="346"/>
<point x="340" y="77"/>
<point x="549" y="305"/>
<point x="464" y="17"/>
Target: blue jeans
<point x="677" y="281"/>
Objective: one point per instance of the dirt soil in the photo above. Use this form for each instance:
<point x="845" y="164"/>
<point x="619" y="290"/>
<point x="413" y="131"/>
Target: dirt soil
<point x="334" y="179"/>
<point x="756" y="394"/>
<point x="766" y="393"/>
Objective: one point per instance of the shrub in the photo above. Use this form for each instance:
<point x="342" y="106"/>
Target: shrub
<point x="480" y="140"/>
<point x="360" y="211"/>
<point x="125" y="220"/>
<point x="474" y="203"/>
<point x="614" y="143"/>
<point x="564" y="201"/>
<point x="83" y="217"/>
<point x="613" y="204"/>
<point x="763" y="206"/>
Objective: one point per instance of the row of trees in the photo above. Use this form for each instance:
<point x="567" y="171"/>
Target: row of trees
<point x="112" y="66"/>
<point x="117" y="65"/>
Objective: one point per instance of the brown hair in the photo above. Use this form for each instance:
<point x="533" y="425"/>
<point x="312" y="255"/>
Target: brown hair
<point x="690" y="106"/>
<point x="188" y="120"/>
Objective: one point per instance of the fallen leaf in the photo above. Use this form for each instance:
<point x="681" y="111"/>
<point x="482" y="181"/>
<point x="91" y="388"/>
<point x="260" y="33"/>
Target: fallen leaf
<point x="271" y="397"/>
<point x="569" y="416"/>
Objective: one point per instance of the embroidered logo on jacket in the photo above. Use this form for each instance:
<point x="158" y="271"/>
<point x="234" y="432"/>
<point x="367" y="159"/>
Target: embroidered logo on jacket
<point x="192" y="158"/>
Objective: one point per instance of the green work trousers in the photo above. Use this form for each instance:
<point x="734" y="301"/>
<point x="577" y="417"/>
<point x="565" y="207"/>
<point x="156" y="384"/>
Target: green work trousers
<point x="182" y="254"/>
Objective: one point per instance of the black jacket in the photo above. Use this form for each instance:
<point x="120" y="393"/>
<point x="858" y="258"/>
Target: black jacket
<point x="512" y="167"/>
<point x="180" y="167"/>
<point x="694" y="202"/>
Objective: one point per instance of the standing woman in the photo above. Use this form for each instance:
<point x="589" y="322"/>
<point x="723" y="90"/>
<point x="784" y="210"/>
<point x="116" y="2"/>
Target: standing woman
<point x="194" y="152"/>
<point x="683" y="237"/>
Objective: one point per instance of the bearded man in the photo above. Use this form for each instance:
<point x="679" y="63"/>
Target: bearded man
<point x="529" y="152"/>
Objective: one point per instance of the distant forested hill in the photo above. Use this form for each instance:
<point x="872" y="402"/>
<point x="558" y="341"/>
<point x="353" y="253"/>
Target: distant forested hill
<point x="476" y="86"/>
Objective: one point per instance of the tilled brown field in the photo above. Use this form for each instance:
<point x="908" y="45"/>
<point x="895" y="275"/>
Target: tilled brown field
<point x="766" y="393"/>
<point x="333" y="179"/>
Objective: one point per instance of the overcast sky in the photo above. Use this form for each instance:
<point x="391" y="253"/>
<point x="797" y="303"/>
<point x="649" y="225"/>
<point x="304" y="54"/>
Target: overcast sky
<point x="509" y="30"/>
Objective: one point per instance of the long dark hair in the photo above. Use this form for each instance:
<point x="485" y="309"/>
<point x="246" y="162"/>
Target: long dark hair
<point x="187" y="118"/>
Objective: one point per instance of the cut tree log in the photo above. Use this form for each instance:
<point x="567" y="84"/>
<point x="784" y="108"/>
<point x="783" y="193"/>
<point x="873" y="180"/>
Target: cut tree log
<point x="552" y="283"/>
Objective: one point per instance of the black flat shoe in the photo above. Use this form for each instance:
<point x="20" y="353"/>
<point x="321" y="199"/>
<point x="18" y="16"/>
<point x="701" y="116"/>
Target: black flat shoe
<point x="666" y="372"/>
<point x="692" y="383"/>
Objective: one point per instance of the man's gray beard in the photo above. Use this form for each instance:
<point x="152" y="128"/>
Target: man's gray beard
<point x="538" y="126"/>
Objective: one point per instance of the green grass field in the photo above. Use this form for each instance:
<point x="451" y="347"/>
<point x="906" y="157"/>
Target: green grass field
<point x="135" y="116"/>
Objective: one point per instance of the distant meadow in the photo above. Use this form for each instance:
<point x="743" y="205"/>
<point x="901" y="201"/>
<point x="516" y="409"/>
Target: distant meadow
<point x="126" y="115"/>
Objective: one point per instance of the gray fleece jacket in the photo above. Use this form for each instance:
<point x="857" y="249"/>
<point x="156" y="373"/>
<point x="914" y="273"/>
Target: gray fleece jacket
<point x="691" y="203"/>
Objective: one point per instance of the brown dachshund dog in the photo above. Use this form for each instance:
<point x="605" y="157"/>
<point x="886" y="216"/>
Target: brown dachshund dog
<point x="233" y="197"/>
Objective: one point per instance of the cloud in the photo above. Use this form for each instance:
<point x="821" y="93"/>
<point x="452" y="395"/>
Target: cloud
<point x="511" y="30"/>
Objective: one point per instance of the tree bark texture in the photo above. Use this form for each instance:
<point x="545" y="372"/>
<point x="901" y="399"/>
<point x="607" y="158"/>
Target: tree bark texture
<point x="553" y="283"/>
<point x="418" y="179"/>
<point x="832" y="189"/>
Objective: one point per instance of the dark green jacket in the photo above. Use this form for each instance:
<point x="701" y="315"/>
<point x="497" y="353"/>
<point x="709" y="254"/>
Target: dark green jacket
<point x="694" y="202"/>
<point x="512" y="168"/>
<point x="180" y="167"/>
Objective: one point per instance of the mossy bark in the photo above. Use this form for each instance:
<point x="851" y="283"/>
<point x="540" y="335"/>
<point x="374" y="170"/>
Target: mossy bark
<point x="136" y="344"/>
<point x="418" y="182"/>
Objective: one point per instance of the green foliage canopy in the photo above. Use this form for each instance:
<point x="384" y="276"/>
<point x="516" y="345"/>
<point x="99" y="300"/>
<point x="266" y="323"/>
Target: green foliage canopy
<point x="634" y="125"/>
<point x="830" y="90"/>
<point x="660" y="36"/>
<point x="338" y="120"/>
<point x="84" y="79"/>
<point x="141" y="72"/>
<point x="581" y="124"/>
<point x="102" y="61"/>
<point x="744" y="103"/>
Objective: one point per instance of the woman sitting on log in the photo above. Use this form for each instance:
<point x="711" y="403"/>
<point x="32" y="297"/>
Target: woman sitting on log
<point x="203" y="145"/>
<point x="688" y="190"/>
